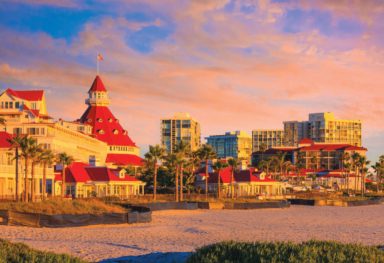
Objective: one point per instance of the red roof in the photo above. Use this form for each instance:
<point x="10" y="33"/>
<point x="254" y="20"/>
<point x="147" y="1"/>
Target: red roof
<point x="4" y="137"/>
<point x="306" y="141"/>
<point x="79" y="172"/>
<point x="106" y="127"/>
<point x="97" y="85"/>
<point x="332" y="147"/>
<point x="240" y="176"/>
<point x="30" y="95"/>
<point x="124" y="159"/>
<point x="105" y="174"/>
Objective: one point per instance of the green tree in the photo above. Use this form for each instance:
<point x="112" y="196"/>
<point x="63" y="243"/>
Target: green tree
<point x="183" y="151"/>
<point x="233" y="164"/>
<point x="65" y="160"/>
<point x="35" y="152"/>
<point x="47" y="158"/>
<point x="218" y="166"/>
<point x="16" y="142"/>
<point x="355" y="163"/>
<point x="153" y="156"/>
<point x="206" y="153"/>
<point x="27" y="146"/>
<point x="193" y="162"/>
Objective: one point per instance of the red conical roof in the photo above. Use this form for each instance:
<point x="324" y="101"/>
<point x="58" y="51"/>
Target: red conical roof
<point x="97" y="85"/>
<point x="106" y="127"/>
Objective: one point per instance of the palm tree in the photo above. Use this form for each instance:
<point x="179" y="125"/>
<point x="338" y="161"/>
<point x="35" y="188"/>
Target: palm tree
<point x="218" y="166"/>
<point x="206" y="153"/>
<point x="233" y="164"/>
<point x="34" y="154"/>
<point x="156" y="153"/>
<point x="16" y="142"/>
<point x="47" y="158"/>
<point x="263" y="148"/>
<point x="65" y="160"/>
<point x="193" y="162"/>
<point x="27" y="146"/>
<point x="355" y="166"/>
<point x="183" y="152"/>
<point x="346" y="167"/>
<point x="280" y="161"/>
<point x="363" y="162"/>
<point x="172" y="162"/>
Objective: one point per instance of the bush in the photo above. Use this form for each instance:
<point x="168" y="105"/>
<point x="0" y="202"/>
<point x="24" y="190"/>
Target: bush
<point x="310" y="251"/>
<point x="18" y="253"/>
<point x="62" y="206"/>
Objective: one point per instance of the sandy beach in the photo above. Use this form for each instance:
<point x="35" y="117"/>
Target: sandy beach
<point x="184" y="231"/>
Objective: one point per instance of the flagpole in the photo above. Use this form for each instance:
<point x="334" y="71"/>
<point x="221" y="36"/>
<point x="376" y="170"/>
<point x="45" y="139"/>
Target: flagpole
<point x="97" y="64"/>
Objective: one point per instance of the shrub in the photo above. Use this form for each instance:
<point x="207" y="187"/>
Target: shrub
<point x="310" y="251"/>
<point x="20" y="253"/>
<point x="62" y="206"/>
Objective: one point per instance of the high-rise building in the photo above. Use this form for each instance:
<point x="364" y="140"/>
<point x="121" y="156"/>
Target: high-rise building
<point x="323" y="128"/>
<point x="267" y="139"/>
<point x="122" y="151"/>
<point x="181" y="127"/>
<point x="236" y="144"/>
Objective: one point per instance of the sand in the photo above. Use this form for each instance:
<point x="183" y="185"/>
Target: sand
<point x="184" y="231"/>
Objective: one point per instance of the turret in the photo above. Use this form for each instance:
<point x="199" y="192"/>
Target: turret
<point x="98" y="95"/>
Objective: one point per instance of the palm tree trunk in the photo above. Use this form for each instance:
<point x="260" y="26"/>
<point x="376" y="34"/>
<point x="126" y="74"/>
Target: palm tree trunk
<point x="63" y="186"/>
<point x="44" y="190"/>
<point x="17" y="174"/>
<point x="218" y="184"/>
<point x="155" y="183"/>
<point x="177" y="183"/>
<point x="181" y="182"/>
<point x="232" y="188"/>
<point x="26" y="180"/>
<point x="33" y="182"/>
<point x="206" y="179"/>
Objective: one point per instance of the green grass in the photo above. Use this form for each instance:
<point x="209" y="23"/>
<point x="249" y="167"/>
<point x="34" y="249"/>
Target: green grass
<point x="20" y="253"/>
<point x="60" y="206"/>
<point x="310" y="251"/>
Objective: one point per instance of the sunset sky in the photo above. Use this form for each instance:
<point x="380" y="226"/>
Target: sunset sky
<point x="233" y="65"/>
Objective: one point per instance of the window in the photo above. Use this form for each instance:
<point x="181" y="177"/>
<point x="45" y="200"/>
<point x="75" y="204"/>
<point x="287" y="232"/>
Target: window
<point x="115" y="131"/>
<point x="89" y="120"/>
<point x="110" y="119"/>
<point x="17" y="104"/>
<point x="33" y="131"/>
<point x="101" y="131"/>
<point x="6" y="104"/>
<point x="17" y="131"/>
<point x="11" y="105"/>
<point x="100" y="120"/>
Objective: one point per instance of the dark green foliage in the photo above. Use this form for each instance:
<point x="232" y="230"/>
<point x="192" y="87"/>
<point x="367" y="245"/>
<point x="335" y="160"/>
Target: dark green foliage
<point x="310" y="252"/>
<point x="18" y="253"/>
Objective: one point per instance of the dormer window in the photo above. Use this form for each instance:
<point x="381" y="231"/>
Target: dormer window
<point x="116" y="120"/>
<point x="124" y="132"/>
<point x="89" y="120"/>
<point x="101" y="131"/>
<point x="110" y="120"/>
<point x="100" y="120"/>
<point x="115" y="131"/>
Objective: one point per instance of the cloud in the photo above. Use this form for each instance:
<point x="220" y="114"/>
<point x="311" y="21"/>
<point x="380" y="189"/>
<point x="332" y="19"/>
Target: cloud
<point x="230" y="70"/>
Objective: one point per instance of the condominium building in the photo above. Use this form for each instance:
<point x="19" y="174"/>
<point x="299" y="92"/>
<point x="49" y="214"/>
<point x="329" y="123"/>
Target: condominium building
<point x="323" y="128"/>
<point x="236" y="144"/>
<point x="265" y="139"/>
<point x="180" y="127"/>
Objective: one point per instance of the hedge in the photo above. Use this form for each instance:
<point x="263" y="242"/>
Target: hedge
<point x="310" y="251"/>
<point x="20" y="253"/>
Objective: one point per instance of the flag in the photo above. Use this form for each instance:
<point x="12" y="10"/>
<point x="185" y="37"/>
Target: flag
<point x="100" y="57"/>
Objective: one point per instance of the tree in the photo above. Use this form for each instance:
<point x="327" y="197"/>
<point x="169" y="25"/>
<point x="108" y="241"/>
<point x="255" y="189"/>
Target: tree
<point x="263" y="148"/>
<point x="378" y="167"/>
<point x="27" y="146"/>
<point x="206" y="153"/>
<point x="355" y="166"/>
<point x="47" y="158"/>
<point x="2" y="121"/>
<point x="346" y="168"/>
<point x="363" y="162"/>
<point x="172" y="162"/>
<point x="193" y="162"/>
<point x="16" y="142"/>
<point x="218" y="166"/>
<point x="153" y="156"/>
<point x="65" y="160"/>
<point x="182" y="151"/>
<point x="34" y="154"/>
<point x="233" y="164"/>
<point x="281" y="161"/>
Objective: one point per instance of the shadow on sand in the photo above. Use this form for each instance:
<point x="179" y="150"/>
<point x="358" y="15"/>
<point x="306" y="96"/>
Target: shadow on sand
<point x="156" y="257"/>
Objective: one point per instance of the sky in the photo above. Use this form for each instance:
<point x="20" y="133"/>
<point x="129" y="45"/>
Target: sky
<point x="232" y="64"/>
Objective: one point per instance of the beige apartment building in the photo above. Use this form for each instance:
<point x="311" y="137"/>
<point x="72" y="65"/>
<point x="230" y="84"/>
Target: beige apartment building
<point x="180" y="127"/>
<point x="267" y="139"/>
<point x="323" y="128"/>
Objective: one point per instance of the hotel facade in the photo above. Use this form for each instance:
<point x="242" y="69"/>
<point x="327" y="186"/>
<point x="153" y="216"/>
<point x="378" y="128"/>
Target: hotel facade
<point x="96" y="139"/>
<point x="267" y="139"/>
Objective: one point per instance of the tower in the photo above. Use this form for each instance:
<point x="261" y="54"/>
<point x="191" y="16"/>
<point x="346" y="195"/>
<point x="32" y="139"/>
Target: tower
<point x="122" y="151"/>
